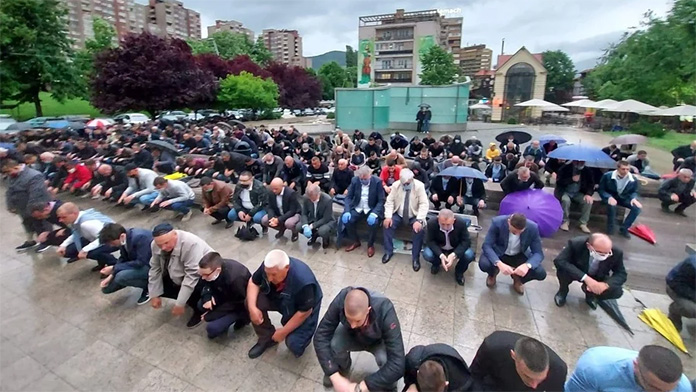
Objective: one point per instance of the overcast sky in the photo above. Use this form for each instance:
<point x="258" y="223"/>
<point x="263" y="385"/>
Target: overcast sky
<point x="580" y="27"/>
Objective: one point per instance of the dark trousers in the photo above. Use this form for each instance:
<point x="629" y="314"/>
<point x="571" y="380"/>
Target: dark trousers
<point x="439" y="202"/>
<point x="685" y="200"/>
<point x="487" y="266"/>
<point x="102" y="254"/>
<point x="171" y="290"/>
<point x="416" y="237"/>
<point x="352" y="230"/>
<point x="564" y="280"/>
<point x="221" y="213"/>
<point x="463" y="262"/>
<point x="56" y="237"/>
<point x="219" y="321"/>
<point x="136" y="277"/>
<point x="342" y="344"/>
<point x="298" y="340"/>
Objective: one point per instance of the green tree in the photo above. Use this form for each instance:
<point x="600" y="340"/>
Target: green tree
<point x="332" y="76"/>
<point x="312" y="71"/>
<point x="654" y="64"/>
<point x="560" y="72"/>
<point x="229" y="45"/>
<point x="351" y="57"/>
<point x="260" y="53"/>
<point x="438" y="67"/>
<point x="104" y="38"/>
<point x="248" y="91"/>
<point x="35" y="52"/>
<point x="352" y="76"/>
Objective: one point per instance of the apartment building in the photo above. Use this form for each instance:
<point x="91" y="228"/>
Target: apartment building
<point x="171" y="18"/>
<point x="473" y="59"/>
<point x="231" y="26"/>
<point x="285" y="45"/>
<point x="391" y="45"/>
<point x="81" y="14"/>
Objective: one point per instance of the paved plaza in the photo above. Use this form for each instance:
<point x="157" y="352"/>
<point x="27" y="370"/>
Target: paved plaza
<point x="58" y="332"/>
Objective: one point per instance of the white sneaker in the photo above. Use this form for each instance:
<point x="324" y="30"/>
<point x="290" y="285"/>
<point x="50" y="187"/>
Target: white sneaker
<point x="564" y="226"/>
<point x="187" y="217"/>
<point x="585" y="229"/>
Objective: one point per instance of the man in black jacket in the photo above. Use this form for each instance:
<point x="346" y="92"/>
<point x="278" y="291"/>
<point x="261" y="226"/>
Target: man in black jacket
<point x="682" y="152"/>
<point x="340" y="179"/>
<point x="359" y="320"/>
<point x="223" y="298"/>
<point x="45" y="219"/>
<point x="437" y="368"/>
<point x="271" y="167"/>
<point x="318" y="173"/>
<point x="283" y="211"/>
<point x="508" y="361"/>
<point x="293" y="173"/>
<point x="133" y="266"/>
<point x="681" y="288"/>
<point x="112" y="181"/>
<point x="447" y="240"/>
<point x="679" y="189"/>
<point x="519" y="180"/>
<point x="575" y="184"/>
<point x="317" y="216"/>
<point x="596" y="263"/>
<point x="473" y="193"/>
<point x="142" y="157"/>
<point x="444" y="189"/>
<point x="249" y="201"/>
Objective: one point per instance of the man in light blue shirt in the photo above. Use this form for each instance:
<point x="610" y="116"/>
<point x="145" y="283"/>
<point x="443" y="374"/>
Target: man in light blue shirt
<point x="614" y="369"/>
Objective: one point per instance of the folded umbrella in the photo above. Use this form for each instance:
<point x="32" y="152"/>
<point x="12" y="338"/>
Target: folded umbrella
<point x="629" y="139"/>
<point x="664" y="326"/>
<point x="593" y="156"/>
<point x="551" y="138"/>
<point x="463" y="172"/>
<point x="521" y="137"/>
<point x="644" y="232"/>
<point x="538" y="206"/>
<point x="612" y="308"/>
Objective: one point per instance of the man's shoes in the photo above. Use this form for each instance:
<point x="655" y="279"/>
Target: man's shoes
<point x="26" y="246"/>
<point x="241" y="324"/>
<point x="435" y="268"/>
<point x="325" y="243"/>
<point x="565" y="226"/>
<point x="665" y="208"/>
<point x="416" y="264"/>
<point x="144" y="298"/>
<point x="560" y="299"/>
<point x="97" y="268"/>
<point x="229" y="224"/>
<point x="72" y="260"/>
<point x="517" y="284"/>
<point x="591" y="301"/>
<point x="386" y="257"/>
<point x="187" y="216"/>
<point x="216" y="222"/>
<point x="459" y="279"/>
<point x="345" y="373"/>
<point x="260" y="347"/>
<point x="194" y="320"/>
<point x="312" y="240"/>
<point x="585" y="229"/>
<point x="370" y="251"/>
<point x="42" y="248"/>
<point x="294" y="237"/>
<point x="490" y="280"/>
<point x="353" y="246"/>
<point x="130" y="206"/>
<point x="147" y="208"/>
<point x="680" y="212"/>
<point x="264" y="230"/>
<point x="327" y="382"/>
<point x="279" y="234"/>
<point x="625" y="234"/>
<point x="676" y="320"/>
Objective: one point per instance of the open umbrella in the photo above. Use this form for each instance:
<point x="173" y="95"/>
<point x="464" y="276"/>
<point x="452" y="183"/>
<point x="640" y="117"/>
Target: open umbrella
<point x="463" y="172"/>
<point x="76" y="125"/>
<point x="664" y="326"/>
<point x="612" y="308"/>
<point x="581" y="103"/>
<point x="56" y="124"/>
<point x="19" y="126"/>
<point x="629" y="139"/>
<point x="682" y="110"/>
<point x="162" y="145"/>
<point x="538" y="206"/>
<point x="551" y="138"/>
<point x="97" y="123"/>
<point x="480" y="106"/>
<point x="521" y="137"/>
<point x="643" y="232"/>
<point x="593" y="156"/>
<point x="424" y="105"/>
<point x="630" y="106"/>
<point x="605" y="103"/>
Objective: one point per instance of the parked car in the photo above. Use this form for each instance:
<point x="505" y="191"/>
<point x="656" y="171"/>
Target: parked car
<point x="37" y="122"/>
<point x="298" y="112"/>
<point x="173" y="116"/>
<point x="6" y="121"/>
<point x="308" y="112"/>
<point x="131" y="118"/>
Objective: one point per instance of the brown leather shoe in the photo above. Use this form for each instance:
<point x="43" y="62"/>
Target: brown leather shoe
<point x="517" y="284"/>
<point x="490" y="280"/>
<point x="370" y="251"/>
<point x="353" y="246"/>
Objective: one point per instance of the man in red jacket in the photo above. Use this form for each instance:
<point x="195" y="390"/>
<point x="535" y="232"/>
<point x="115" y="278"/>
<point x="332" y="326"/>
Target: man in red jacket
<point x="79" y="176"/>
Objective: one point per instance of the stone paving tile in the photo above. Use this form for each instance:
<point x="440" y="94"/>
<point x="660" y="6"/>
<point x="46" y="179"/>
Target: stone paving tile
<point x="50" y="383"/>
<point x="18" y="375"/>
<point x="160" y="381"/>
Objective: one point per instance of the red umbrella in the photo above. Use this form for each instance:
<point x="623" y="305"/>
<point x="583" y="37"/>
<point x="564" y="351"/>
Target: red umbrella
<point x="97" y="124"/>
<point x="644" y="232"/>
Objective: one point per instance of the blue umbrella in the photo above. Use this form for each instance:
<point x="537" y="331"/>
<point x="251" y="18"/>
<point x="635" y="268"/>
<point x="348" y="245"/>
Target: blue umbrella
<point x="463" y="172"/>
<point x="548" y="138"/>
<point x="593" y="156"/>
<point x="56" y="124"/>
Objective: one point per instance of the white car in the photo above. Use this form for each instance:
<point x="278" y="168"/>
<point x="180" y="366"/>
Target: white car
<point x="174" y="116"/>
<point x="132" y="118"/>
<point x="6" y="121"/>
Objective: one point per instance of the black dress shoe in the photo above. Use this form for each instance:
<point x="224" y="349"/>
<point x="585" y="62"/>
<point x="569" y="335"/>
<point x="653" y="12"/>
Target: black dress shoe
<point x="560" y="299"/>
<point x="312" y="241"/>
<point x="145" y="209"/>
<point x="294" y="237"/>
<point x="155" y="208"/>
<point x="217" y="222"/>
<point x="459" y="279"/>
<point x="194" y="320"/>
<point x="259" y="348"/>
<point x="416" y="265"/>
<point x="325" y="243"/>
<point x="434" y="269"/>
<point x="241" y="324"/>
<point x="72" y="260"/>
<point x="97" y="267"/>
<point x="229" y="224"/>
<point x="591" y="302"/>
<point x="386" y="257"/>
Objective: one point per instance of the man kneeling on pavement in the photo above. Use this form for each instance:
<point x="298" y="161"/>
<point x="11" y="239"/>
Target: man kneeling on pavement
<point x="83" y="242"/>
<point x="133" y="266"/>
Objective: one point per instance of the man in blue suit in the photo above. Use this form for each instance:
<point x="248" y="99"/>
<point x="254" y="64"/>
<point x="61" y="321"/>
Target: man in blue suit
<point x="620" y="188"/>
<point x="365" y="199"/>
<point x="513" y="247"/>
<point x="133" y="266"/>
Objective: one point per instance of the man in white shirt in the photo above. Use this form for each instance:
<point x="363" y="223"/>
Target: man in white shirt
<point x="141" y="182"/>
<point x="83" y="243"/>
<point x="171" y="195"/>
<point x="365" y="199"/>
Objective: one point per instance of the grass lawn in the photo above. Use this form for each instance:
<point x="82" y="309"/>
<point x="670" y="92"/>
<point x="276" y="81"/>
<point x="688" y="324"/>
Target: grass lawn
<point x="667" y="143"/>
<point x="51" y="108"/>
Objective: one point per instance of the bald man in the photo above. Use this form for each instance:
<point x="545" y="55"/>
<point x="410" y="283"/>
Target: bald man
<point x="360" y="320"/>
<point x="596" y="263"/>
<point x="283" y="209"/>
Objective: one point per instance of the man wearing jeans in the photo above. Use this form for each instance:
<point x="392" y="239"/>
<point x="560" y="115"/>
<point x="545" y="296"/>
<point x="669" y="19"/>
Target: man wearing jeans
<point x="171" y="195"/>
<point x="249" y="201"/>
<point x="447" y="241"/>
<point x="620" y="188"/>
<point x="133" y="266"/>
<point x="359" y="320"/>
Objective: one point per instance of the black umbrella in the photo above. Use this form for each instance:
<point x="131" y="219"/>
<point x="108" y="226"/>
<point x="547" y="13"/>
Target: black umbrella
<point x="238" y="123"/>
<point x="162" y="145"/>
<point x="612" y="308"/>
<point x="77" y="126"/>
<point x="19" y="126"/>
<point x="520" y="136"/>
<point x="424" y="105"/>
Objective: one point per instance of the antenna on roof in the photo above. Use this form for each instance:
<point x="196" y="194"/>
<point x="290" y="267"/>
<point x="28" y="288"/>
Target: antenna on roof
<point x="502" y="47"/>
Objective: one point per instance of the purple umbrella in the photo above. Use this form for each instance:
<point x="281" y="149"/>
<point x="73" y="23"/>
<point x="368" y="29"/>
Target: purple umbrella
<point x="539" y="206"/>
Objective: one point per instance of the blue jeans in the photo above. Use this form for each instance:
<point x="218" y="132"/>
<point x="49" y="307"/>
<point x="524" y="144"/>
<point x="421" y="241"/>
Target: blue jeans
<point x="628" y="222"/>
<point x="462" y="265"/>
<point x="233" y="216"/>
<point x="426" y="126"/>
<point x="136" y="277"/>
<point x="417" y="237"/>
<point x="182" y="207"/>
<point x="145" y="199"/>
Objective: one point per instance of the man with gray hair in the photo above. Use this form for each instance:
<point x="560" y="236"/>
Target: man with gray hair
<point x="365" y="198"/>
<point x="287" y="285"/>
<point x="679" y="189"/>
<point x="317" y="216"/>
<point x="407" y="202"/>
<point x="520" y="180"/>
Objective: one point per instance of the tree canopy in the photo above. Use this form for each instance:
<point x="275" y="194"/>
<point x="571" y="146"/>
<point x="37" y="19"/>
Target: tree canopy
<point x="104" y="38"/>
<point x="248" y="91"/>
<point x="351" y="57"/>
<point x="229" y="45"/>
<point x="560" y="72"/>
<point x="35" y="52"/>
<point x="297" y="88"/>
<point x="438" y="67"/>
<point x="332" y="75"/>
<point x="654" y="64"/>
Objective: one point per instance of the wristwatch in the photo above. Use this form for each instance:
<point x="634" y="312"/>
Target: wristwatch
<point x="529" y="265"/>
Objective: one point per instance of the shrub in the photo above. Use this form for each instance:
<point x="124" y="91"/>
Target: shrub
<point x="511" y="121"/>
<point x="646" y="128"/>
<point x="330" y="115"/>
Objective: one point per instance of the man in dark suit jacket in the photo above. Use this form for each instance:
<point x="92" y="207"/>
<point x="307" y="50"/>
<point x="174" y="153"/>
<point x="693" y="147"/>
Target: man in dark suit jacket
<point x="679" y="189"/>
<point x="596" y="263"/>
<point x="473" y="193"/>
<point x="508" y="361"/>
<point x="620" y="188"/>
<point x="133" y="266"/>
<point x="447" y="240"/>
<point x="513" y="246"/>
<point x="283" y="210"/>
<point x="520" y="180"/>
<point x="365" y="199"/>
<point x="575" y="183"/>
<point x="317" y="216"/>
<point x="682" y="152"/>
<point x="45" y="219"/>
<point x="26" y="187"/>
<point x="444" y="189"/>
<point x="437" y="367"/>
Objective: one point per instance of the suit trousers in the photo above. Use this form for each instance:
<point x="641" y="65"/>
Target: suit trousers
<point x="342" y="344"/>
<point x="102" y="254"/>
<point x="487" y="266"/>
<point x="564" y="280"/>
<point x="171" y="290"/>
<point x="289" y="224"/>
<point x="352" y="230"/>
<point x="579" y="198"/>
<point x="221" y="213"/>
<point x="463" y="260"/>
<point x="324" y="231"/>
<point x="417" y="237"/>
<point x="685" y="200"/>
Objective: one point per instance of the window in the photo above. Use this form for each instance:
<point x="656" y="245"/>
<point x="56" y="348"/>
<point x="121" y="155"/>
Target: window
<point x="519" y="85"/>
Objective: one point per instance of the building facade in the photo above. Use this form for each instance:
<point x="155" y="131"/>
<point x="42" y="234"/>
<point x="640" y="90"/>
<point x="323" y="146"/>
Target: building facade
<point x="231" y="26"/>
<point x="285" y="46"/>
<point x="82" y="13"/>
<point x="391" y="45"/>
<point x="473" y="59"/>
<point x="518" y="78"/>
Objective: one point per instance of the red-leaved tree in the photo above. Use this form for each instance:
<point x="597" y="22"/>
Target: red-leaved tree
<point x="297" y="88"/>
<point x="212" y="63"/>
<point x="245" y="63"/>
<point x="149" y="73"/>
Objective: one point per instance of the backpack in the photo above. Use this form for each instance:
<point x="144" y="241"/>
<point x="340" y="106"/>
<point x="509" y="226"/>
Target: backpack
<point x="247" y="233"/>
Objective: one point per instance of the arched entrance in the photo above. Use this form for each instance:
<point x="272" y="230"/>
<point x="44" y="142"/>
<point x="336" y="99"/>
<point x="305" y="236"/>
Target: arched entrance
<point x="519" y="87"/>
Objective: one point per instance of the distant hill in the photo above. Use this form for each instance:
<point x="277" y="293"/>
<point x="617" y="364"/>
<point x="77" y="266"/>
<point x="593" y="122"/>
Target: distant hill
<point x="334" y="55"/>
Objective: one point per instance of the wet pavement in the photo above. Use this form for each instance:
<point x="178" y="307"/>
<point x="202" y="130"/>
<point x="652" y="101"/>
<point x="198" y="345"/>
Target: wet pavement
<point x="58" y="332"/>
